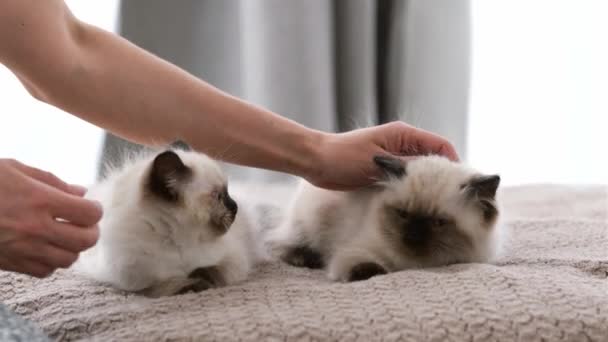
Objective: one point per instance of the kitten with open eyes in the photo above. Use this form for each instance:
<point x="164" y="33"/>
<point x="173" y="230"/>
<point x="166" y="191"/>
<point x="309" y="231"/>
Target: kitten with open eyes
<point x="427" y="212"/>
<point x="169" y="226"/>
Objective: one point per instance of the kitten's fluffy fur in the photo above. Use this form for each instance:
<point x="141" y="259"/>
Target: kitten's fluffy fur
<point x="169" y="226"/>
<point x="428" y="212"/>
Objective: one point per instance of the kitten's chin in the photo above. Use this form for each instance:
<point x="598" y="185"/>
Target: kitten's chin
<point x="222" y="224"/>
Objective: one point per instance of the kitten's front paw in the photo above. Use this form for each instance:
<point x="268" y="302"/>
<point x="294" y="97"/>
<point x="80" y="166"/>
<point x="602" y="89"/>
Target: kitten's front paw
<point x="211" y="274"/>
<point x="204" y="278"/>
<point x="303" y="256"/>
<point x="365" y="271"/>
<point x="353" y="264"/>
<point x="197" y="286"/>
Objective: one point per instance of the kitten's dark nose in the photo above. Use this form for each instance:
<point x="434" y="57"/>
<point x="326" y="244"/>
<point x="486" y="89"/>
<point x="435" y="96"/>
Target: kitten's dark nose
<point x="230" y="204"/>
<point x="417" y="231"/>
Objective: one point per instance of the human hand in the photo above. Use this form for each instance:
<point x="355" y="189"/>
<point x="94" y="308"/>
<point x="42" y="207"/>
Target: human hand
<point x="44" y="222"/>
<point x="346" y="159"/>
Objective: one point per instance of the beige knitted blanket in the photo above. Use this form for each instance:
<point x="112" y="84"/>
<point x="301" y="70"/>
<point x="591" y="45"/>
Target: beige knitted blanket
<point x="551" y="285"/>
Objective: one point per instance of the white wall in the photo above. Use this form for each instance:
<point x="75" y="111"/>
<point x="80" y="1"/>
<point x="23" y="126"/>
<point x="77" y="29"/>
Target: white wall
<point x="43" y="136"/>
<point x="539" y="105"/>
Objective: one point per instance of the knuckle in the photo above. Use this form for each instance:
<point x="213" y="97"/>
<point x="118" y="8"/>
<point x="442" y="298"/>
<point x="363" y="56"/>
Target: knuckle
<point x="398" y="125"/>
<point x="29" y="228"/>
<point x="47" y="175"/>
<point x="51" y="178"/>
<point x="12" y="162"/>
<point x="38" y="200"/>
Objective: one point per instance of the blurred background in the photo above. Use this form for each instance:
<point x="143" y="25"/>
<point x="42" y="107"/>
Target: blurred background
<point x="520" y="86"/>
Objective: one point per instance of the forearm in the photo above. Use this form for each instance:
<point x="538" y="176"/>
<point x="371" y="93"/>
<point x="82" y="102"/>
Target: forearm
<point x="145" y="99"/>
<point x="107" y="81"/>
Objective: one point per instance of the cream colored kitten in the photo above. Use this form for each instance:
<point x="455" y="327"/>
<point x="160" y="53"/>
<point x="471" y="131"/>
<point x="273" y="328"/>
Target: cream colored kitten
<point x="429" y="212"/>
<point x="169" y="226"/>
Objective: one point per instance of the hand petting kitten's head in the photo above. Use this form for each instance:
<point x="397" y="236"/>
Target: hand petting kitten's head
<point x="192" y="189"/>
<point x="437" y="212"/>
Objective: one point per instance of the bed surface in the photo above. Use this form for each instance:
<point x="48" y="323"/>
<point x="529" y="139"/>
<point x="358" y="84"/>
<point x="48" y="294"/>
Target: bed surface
<point x="551" y="283"/>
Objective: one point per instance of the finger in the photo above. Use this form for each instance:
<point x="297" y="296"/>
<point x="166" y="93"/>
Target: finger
<point x="37" y="269"/>
<point x="52" y="255"/>
<point x="429" y="142"/>
<point x="77" y="210"/>
<point x="40" y="251"/>
<point x="77" y="190"/>
<point x="448" y="151"/>
<point x="26" y="266"/>
<point x="50" y="179"/>
<point x="70" y="237"/>
<point x="45" y="177"/>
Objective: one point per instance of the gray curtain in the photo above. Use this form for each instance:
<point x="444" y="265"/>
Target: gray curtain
<point x="332" y="65"/>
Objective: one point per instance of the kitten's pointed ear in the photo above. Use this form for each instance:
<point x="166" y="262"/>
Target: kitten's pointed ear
<point x="391" y="166"/>
<point x="483" y="186"/>
<point x="167" y="171"/>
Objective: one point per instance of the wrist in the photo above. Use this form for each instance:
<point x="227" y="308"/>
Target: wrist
<point x="309" y="164"/>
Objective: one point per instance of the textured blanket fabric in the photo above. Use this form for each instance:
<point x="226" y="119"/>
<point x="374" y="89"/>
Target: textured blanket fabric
<point x="551" y="284"/>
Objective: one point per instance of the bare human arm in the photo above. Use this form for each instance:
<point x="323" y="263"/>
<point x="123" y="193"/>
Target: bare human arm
<point x="110" y="82"/>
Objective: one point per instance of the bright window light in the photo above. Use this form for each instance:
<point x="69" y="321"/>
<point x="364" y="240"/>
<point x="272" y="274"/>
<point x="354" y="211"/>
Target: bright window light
<point x="539" y="101"/>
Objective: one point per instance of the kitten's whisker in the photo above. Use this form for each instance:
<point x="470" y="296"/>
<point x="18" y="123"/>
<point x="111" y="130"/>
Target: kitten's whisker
<point x="225" y="156"/>
<point x="220" y="155"/>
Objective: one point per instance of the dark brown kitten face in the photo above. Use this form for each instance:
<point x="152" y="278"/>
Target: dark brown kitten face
<point x="435" y="211"/>
<point x="424" y="235"/>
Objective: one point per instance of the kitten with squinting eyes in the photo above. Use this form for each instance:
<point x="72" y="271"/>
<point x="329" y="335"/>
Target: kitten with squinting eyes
<point x="427" y="212"/>
<point x="169" y="227"/>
